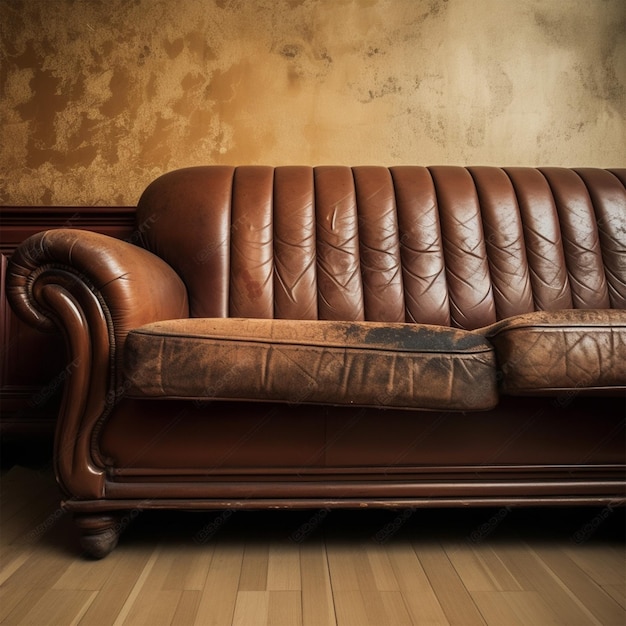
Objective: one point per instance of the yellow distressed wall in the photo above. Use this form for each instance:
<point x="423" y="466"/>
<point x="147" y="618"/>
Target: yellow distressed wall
<point x="101" y="96"/>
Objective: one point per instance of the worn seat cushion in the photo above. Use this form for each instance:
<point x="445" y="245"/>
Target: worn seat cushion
<point x="342" y="363"/>
<point x="561" y="351"/>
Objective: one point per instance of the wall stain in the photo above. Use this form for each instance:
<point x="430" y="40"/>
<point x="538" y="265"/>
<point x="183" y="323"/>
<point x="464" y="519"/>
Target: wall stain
<point x="119" y="86"/>
<point x="199" y="47"/>
<point x="45" y="88"/>
<point x="290" y="51"/>
<point x="99" y="98"/>
<point x="143" y="54"/>
<point x="173" y="48"/>
<point x="598" y="54"/>
<point x="390" y="86"/>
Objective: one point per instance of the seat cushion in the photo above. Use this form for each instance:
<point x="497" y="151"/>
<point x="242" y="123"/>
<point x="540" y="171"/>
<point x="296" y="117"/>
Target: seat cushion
<point x="340" y="363"/>
<point x="561" y="350"/>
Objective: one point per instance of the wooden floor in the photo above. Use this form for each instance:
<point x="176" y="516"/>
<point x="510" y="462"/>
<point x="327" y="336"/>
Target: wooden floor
<point x="484" y="566"/>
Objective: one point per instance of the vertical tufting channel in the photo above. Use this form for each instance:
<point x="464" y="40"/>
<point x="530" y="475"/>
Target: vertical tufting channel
<point x="608" y="196"/>
<point x="421" y="249"/>
<point x="467" y="268"/>
<point x="542" y="234"/>
<point x="295" y="273"/>
<point x="340" y="288"/>
<point x="252" y="243"/>
<point x="379" y="245"/>
<point x="581" y="241"/>
<point x="504" y="240"/>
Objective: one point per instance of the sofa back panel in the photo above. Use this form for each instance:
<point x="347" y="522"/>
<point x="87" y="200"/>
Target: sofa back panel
<point x="608" y="197"/>
<point x="581" y="240"/>
<point x="443" y="245"/>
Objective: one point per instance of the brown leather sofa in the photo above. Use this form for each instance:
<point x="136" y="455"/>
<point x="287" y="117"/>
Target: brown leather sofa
<point x="340" y="337"/>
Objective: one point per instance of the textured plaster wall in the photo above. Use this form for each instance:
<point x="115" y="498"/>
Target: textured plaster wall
<point x="98" y="97"/>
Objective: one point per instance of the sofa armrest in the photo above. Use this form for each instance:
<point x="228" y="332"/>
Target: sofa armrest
<point x="135" y="286"/>
<point x="95" y="289"/>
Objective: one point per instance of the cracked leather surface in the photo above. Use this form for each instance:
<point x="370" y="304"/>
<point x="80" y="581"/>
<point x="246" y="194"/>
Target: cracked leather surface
<point x="342" y="363"/>
<point x="576" y="349"/>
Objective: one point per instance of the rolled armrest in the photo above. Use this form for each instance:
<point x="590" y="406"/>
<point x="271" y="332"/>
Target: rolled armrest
<point x="95" y="289"/>
<point x="134" y="286"/>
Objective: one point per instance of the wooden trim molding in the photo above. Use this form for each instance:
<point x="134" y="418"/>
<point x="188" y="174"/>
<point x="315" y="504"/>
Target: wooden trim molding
<point x="18" y="223"/>
<point x="31" y="361"/>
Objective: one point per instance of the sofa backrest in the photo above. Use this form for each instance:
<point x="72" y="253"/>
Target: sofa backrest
<point x="454" y="246"/>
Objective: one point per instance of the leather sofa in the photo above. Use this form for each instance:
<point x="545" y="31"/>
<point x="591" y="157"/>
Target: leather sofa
<point x="340" y="337"/>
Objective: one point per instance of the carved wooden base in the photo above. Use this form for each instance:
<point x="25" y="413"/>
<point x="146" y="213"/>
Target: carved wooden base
<point x="99" y="533"/>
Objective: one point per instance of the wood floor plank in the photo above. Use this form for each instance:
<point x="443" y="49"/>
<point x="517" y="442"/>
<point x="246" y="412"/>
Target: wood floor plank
<point x="350" y="567"/>
<point x="419" y="596"/>
<point x="386" y="608"/>
<point x="12" y="559"/>
<point x="455" y="600"/>
<point x="364" y="570"/>
<point x="470" y="566"/>
<point x="113" y="595"/>
<point x="283" y="566"/>
<point x="58" y="606"/>
<point x="285" y="608"/>
<point x="251" y="607"/>
<point x="350" y="608"/>
<point x="136" y="589"/>
<point x="479" y="567"/>
<point x="343" y="573"/>
<point x="87" y="574"/>
<point x="189" y="567"/>
<point x="217" y="603"/>
<point x="160" y="612"/>
<point x="380" y="607"/>
<point x="40" y="570"/>
<point x="15" y="602"/>
<point x="79" y="616"/>
<point x="151" y="593"/>
<point x="536" y="576"/>
<point x="255" y="566"/>
<point x="380" y="566"/>
<point x="603" y="564"/>
<point x="521" y="565"/>
<point x="317" y="598"/>
<point x="516" y="608"/>
<point x="499" y="574"/>
<point x="618" y="593"/>
<point x="187" y="608"/>
<point x="590" y="595"/>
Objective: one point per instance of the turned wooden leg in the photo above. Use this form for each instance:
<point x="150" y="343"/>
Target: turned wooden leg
<point x="98" y="532"/>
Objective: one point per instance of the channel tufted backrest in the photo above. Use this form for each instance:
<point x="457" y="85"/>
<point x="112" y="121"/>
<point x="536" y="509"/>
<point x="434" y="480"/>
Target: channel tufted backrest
<point x="454" y="246"/>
